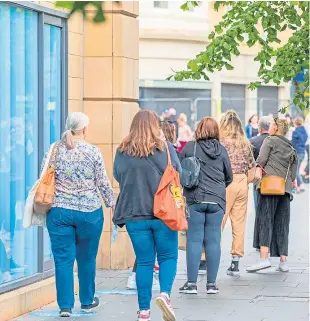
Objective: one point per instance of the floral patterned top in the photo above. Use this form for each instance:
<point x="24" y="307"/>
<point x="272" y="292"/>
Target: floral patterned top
<point x="80" y="178"/>
<point x="241" y="160"/>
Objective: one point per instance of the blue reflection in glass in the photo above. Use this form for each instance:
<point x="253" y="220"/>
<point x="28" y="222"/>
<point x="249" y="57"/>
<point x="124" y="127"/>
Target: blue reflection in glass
<point x="18" y="138"/>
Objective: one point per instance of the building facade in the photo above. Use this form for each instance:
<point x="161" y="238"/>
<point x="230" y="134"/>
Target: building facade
<point x="169" y="38"/>
<point x="51" y="65"/>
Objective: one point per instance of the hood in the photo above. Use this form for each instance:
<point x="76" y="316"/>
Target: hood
<point x="211" y="147"/>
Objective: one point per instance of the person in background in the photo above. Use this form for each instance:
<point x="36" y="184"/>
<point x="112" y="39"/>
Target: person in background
<point x="75" y="221"/>
<point x="207" y="204"/>
<point x="291" y="128"/>
<point x="185" y="132"/>
<point x="251" y="129"/>
<point x="242" y="160"/>
<point x="139" y="164"/>
<point x="164" y="115"/>
<point x="257" y="142"/>
<point x="169" y="132"/>
<point x="172" y="118"/>
<point x="278" y="157"/>
<point x="305" y="174"/>
<point x="299" y="140"/>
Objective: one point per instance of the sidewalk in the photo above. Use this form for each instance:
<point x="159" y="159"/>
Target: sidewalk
<point x="265" y="296"/>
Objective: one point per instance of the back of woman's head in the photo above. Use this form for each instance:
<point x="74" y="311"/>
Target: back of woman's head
<point x="231" y="128"/>
<point x="75" y="124"/>
<point x="299" y="121"/>
<point x="207" y="129"/>
<point x="169" y="131"/>
<point x="144" y="135"/>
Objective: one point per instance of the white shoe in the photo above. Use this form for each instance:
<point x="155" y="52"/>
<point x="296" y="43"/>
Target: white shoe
<point x="131" y="283"/>
<point x="261" y="265"/>
<point x="283" y="268"/>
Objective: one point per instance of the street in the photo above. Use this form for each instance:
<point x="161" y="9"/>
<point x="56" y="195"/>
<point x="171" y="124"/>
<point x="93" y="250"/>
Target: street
<point x="265" y="296"/>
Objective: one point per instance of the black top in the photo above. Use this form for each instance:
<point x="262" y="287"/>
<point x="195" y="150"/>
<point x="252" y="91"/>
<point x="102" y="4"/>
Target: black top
<point x="257" y="143"/>
<point x="254" y="132"/>
<point x="215" y="172"/>
<point x="138" y="179"/>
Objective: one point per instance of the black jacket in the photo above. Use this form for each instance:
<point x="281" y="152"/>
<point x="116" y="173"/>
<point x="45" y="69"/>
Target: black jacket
<point x="215" y="172"/>
<point x="138" y="179"/>
<point x="257" y="143"/>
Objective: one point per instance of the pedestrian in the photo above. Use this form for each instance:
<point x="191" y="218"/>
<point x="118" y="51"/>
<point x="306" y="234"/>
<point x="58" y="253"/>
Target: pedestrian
<point x="185" y="132"/>
<point x="75" y="221"/>
<point x="278" y="158"/>
<point x="252" y="127"/>
<point x="139" y="164"/>
<point x="305" y="174"/>
<point x="242" y="160"/>
<point x="299" y="140"/>
<point x="172" y="118"/>
<point x="207" y="202"/>
<point x="257" y="142"/>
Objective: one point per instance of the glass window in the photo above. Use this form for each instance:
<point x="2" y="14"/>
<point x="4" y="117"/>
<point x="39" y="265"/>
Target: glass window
<point x="52" y="99"/>
<point x="161" y="4"/>
<point x="18" y="139"/>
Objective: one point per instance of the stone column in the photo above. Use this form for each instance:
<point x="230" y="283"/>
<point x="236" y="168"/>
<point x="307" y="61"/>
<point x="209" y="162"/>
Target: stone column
<point x="111" y="91"/>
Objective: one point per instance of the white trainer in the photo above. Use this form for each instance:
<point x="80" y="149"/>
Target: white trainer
<point x="283" y="268"/>
<point x="261" y="265"/>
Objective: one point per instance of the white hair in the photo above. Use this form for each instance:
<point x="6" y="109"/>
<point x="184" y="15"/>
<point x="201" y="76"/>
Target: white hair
<point x="75" y="123"/>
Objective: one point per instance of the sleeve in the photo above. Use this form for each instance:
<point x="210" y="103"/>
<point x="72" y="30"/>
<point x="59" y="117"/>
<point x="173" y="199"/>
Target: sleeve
<point x="102" y="181"/>
<point x="294" y="167"/>
<point x="115" y="174"/>
<point x="175" y="159"/>
<point x="248" y="131"/>
<point x="227" y="168"/>
<point x="264" y="152"/>
<point x="295" y="138"/>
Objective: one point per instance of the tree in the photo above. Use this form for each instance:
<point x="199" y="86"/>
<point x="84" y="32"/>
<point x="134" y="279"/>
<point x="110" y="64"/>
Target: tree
<point x="279" y="62"/>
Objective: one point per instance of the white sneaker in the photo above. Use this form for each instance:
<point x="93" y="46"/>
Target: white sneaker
<point x="283" y="268"/>
<point x="131" y="283"/>
<point x="156" y="285"/>
<point x="261" y="265"/>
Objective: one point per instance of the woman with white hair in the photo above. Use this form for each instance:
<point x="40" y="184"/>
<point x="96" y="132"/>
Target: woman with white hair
<point x="75" y="221"/>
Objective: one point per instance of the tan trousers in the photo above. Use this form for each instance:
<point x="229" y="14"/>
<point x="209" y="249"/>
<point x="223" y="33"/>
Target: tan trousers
<point x="236" y="210"/>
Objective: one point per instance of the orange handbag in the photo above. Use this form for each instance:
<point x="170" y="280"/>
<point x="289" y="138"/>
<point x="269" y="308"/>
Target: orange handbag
<point x="274" y="185"/>
<point x="169" y="202"/>
<point x="44" y="196"/>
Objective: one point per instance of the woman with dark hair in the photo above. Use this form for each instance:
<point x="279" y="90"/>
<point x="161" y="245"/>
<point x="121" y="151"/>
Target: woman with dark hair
<point x="207" y="203"/>
<point x="251" y="129"/>
<point x="139" y="164"/>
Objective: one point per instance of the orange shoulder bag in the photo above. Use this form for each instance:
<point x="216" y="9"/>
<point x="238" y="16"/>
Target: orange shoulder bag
<point x="169" y="202"/>
<point x="44" y="196"/>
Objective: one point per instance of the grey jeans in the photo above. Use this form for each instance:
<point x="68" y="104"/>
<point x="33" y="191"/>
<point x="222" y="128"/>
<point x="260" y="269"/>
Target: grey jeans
<point x="204" y="226"/>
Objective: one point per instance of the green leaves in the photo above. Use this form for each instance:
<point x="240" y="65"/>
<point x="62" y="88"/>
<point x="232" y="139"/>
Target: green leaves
<point x="278" y="61"/>
<point x="188" y="5"/>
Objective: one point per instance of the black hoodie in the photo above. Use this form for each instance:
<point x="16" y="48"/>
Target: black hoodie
<point x="215" y="172"/>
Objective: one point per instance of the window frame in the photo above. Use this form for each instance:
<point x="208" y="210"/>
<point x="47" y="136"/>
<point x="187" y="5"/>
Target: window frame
<point x="59" y="19"/>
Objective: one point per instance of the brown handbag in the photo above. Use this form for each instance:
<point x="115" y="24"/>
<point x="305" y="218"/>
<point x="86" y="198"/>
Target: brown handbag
<point x="274" y="185"/>
<point x="44" y="196"/>
<point x="255" y="173"/>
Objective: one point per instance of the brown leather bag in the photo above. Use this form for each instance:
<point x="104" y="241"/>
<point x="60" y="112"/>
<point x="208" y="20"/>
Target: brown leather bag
<point x="274" y="185"/>
<point x="44" y="196"/>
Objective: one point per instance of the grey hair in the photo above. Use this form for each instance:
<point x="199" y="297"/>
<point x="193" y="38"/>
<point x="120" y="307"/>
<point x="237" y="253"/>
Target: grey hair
<point x="75" y="123"/>
<point x="264" y="123"/>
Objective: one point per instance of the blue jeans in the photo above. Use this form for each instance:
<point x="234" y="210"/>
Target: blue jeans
<point x="74" y="235"/>
<point x="151" y="237"/>
<point x="204" y="226"/>
<point x="299" y="177"/>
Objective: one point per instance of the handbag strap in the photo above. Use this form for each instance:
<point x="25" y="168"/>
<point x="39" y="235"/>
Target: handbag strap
<point x="55" y="152"/>
<point x="168" y="153"/>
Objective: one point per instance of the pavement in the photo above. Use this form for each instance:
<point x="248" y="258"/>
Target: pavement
<point x="264" y="296"/>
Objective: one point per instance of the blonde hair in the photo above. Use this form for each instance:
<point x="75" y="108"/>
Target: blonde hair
<point x="75" y="124"/>
<point x="231" y="129"/>
<point x="144" y="135"/>
<point x="282" y="125"/>
<point x="183" y="117"/>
